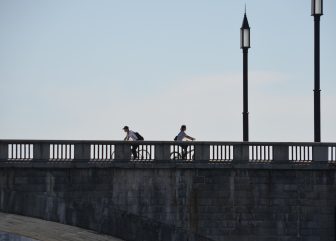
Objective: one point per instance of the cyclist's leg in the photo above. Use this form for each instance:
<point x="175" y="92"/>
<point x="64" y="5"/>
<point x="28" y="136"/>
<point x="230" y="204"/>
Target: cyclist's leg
<point x="175" y="155"/>
<point x="184" y="151"/>
<point x="134" y="151"/>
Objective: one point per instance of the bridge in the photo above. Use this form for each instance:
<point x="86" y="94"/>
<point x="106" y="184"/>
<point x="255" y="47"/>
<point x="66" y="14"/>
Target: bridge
<point x="175" y="191"/>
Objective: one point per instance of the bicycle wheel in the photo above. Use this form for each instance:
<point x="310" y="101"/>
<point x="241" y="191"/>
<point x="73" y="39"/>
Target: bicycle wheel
<point x="175" y="156"/>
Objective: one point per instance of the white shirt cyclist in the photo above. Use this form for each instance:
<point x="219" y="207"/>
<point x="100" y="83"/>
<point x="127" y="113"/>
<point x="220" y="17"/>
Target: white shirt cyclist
<point x="131" y="135"/>
<point x="182" y="136"/>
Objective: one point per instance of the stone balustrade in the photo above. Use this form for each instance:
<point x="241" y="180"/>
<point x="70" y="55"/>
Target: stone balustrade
<point x="166" y="151"/>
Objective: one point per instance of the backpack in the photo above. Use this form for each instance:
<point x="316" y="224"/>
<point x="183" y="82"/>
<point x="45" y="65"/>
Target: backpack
<point x="140" y="138"/>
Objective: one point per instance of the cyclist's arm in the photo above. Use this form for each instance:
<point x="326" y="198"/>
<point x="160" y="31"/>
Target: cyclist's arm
<point x="190" y="138"/>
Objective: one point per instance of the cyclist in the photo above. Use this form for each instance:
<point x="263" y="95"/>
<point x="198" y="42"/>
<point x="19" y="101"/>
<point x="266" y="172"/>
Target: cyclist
<point x="134" y="136"/>
<point x="182" y="136"/>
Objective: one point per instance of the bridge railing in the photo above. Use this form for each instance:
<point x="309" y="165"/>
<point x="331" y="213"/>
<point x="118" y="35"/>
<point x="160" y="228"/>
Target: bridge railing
<point x="166" y="151"/>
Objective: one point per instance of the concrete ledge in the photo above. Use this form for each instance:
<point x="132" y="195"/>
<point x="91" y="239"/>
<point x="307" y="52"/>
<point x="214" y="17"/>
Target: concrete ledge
<point x="169" y="164"/>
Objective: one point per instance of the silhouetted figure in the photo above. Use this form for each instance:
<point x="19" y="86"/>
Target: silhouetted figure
<point x="134" y="136"/>
<point x="182" y="136"/>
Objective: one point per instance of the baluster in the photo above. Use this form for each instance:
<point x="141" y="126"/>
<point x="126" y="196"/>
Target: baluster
<point x="229" y="157"/>
<point x="29" y="146"/>
<point x="55" y="151"/>
<point x="22" y="151"/>
<point x="17" y="153"/>
<point x="254" y="149"/>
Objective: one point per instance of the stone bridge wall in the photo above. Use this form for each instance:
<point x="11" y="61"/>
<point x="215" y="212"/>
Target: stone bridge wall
<point x="156" y="202"/>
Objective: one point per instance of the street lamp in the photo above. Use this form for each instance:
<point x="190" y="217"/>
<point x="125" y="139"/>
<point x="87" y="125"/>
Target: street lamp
<point x="245" y="45"/>
<point x="317" y="12"/>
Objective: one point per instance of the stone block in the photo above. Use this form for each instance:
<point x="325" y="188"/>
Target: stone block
<point x="280" y="153"/>
<point x="82" y="152"/>
<point x="320" y="153"/>
<point x="3" y="151"/>
<point x="162" y="152"/>
<point x="202" y="153"/>
<point x="41" y="152"/>
<point x="241" y="153"/>
<point x="123" y="152"/>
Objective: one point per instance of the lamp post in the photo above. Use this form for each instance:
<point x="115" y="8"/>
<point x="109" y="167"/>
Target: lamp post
<point x="245" y="45"/>
<point x="317" y="12"/>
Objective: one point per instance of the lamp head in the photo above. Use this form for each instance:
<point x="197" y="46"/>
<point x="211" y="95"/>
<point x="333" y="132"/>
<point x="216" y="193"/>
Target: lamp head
<point x="316" y="7"/>
<point x="245" y="34"/>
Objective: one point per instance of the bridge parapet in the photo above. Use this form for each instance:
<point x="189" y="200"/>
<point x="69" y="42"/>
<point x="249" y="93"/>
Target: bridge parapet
<point x="166" y="151"/>
<point x="174" y="191"/>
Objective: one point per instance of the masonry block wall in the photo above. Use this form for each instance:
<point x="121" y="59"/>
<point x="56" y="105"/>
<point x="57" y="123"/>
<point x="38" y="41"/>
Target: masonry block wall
<point x="171" y="203"/>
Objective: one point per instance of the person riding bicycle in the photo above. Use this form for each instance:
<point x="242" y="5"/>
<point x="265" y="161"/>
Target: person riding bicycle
<point x="182" y="136"/>
<point x="134" y="136"/>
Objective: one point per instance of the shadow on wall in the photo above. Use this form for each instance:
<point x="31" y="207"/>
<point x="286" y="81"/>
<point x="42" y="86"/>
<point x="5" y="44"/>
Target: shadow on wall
<point x="113" y="222"/>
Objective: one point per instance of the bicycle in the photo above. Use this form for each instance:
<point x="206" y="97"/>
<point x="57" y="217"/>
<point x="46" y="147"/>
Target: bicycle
<point x="183" y="152"/>
<point x="142" y="155"/>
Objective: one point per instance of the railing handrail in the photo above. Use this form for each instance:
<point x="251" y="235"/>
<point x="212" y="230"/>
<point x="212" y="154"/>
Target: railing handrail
<point x="153" y="142"/>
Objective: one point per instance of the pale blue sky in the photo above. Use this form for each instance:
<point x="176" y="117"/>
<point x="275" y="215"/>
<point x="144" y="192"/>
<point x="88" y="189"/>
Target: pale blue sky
<point x="82" y="69"/>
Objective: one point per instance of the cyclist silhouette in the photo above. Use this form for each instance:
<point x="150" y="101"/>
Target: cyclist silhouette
<point x="135" y="136"/>
<point x="182" y="136"/>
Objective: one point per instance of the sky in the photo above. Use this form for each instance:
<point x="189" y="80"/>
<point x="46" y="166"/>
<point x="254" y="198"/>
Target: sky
<point x="82" y="69"/>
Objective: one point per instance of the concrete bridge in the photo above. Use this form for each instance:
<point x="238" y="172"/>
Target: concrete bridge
<point x="173" y="191"/>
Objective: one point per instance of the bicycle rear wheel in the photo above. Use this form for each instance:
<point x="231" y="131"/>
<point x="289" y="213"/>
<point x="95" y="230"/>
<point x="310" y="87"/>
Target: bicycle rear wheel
<point x="175" y="156"/>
